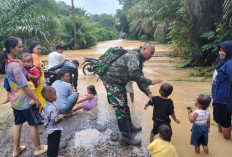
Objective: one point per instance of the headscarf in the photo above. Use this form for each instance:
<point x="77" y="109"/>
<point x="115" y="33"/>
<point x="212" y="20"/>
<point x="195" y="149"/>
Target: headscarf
<point x="32" y="46"/>
<point x="226" y="46"/>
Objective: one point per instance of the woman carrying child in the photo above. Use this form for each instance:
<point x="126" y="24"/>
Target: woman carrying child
<point x="201" y="123"/>
<point x="32" y="74"/>
<point x="90" y="100"/>
<point x="20" y="95"/>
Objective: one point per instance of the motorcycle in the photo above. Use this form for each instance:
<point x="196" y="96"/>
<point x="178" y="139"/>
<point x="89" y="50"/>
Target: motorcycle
<point x="50" y="76"/>
<point x="88" y="67"/>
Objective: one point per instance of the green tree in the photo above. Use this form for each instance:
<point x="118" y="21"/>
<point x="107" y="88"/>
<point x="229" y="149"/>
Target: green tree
<point x="29" y="20"/>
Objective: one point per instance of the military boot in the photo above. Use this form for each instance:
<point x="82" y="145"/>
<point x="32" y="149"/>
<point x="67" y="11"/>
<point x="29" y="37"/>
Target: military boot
<point x="127" y="138"/>
<point x="133" y="128"/>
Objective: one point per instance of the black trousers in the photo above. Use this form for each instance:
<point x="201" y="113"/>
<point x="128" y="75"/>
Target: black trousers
<point x="53" y="143"/>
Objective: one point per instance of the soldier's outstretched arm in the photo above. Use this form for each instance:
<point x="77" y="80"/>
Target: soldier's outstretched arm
<point x="134" y="70"/>
<point x="156" y="81"/>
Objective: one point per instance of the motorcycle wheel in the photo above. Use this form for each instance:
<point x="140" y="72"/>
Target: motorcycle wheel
<point x="86" y="67"/>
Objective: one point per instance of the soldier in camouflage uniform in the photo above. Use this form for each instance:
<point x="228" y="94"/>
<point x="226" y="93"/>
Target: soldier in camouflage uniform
<point x="126" y="68"/>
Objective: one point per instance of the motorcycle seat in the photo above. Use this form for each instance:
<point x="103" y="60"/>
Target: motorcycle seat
<point x="90" y="58"/>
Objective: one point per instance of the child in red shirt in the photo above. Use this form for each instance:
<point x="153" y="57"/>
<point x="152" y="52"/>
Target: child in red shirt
<point x="33" y="74"/>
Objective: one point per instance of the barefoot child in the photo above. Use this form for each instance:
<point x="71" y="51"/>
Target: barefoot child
<point x="163" y="107"/>
<point x="52" y="121"/>
<point x="162" y="147"/>
<point x="201" y="123"/>
<point x="90" y="100"/>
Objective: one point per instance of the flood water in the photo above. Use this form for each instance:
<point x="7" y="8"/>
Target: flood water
<point x="163" y="67"/>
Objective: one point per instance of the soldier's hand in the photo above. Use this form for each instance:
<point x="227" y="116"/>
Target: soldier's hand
<point x="156" y="81"/>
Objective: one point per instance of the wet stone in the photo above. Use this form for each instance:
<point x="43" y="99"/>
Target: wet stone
<point x="100" y="127"/>
<point x="114" y="136"/>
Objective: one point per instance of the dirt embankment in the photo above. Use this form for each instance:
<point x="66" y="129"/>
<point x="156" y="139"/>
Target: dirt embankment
<point x="82" y="136"/>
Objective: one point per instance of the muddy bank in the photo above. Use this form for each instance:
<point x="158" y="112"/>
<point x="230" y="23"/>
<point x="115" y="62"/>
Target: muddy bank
<point x="94" y="140"/>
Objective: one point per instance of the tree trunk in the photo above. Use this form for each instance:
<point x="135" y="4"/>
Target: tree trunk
<point x="74" y="24"/>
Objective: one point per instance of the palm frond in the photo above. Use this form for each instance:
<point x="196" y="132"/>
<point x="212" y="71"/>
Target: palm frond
<point x="227" y="11"/>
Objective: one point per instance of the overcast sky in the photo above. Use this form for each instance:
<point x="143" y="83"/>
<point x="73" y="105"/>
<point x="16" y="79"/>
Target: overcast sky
<point x="96" y="6"/>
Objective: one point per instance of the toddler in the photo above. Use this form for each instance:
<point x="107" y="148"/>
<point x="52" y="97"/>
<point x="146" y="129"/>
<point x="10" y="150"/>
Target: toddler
<point x="33" y="74"/>
<point x="90" y="100"/>
<point x="162" y="147"/>
<point x="52" y="121"/>
<point x="163" y="107"/>
<point x="201" y="123"/>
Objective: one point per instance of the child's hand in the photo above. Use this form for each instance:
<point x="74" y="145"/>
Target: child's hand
<point x="145" y="107"/>
<point x="60" y="117"/>
<point x="189" y="111"/>
<point x="177" y="121"/>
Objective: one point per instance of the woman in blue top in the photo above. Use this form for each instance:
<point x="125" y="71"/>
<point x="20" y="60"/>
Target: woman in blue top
<point x="222" y="89"/>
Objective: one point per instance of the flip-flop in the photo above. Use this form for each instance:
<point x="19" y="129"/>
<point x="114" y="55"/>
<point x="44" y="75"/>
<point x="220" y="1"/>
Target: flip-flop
<point x="45" y="148"/>
<point x="22" y="148"/>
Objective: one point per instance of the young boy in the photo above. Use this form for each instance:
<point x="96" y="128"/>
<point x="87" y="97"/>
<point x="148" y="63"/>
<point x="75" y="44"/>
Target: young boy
<point x="162" y="147"/>
<point x="163" y="107"/>
<point x="52" y="121"/>
<point x="201" y="123"/>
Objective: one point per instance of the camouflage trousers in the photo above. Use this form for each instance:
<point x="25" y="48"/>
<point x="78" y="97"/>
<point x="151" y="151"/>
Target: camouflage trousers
<point x="117" y="97"/>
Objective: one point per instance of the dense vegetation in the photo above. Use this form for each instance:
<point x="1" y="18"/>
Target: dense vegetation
<point x="50" y="23"/>
<point x="195" y="27"/>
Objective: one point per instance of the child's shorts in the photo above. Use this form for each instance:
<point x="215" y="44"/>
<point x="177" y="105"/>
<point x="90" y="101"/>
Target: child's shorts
<point x="31" y="115"/>
<point x="156" y="125"/>
<point x="88" y="105"/>
<point x="199" y="135"/>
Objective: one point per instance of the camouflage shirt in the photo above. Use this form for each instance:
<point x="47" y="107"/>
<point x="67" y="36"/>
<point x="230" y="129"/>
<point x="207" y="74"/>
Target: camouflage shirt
<point x="128" y="67"/>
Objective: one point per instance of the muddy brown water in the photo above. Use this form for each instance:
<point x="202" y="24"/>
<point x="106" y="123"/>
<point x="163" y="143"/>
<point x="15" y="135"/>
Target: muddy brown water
<point x="163" y="67"/>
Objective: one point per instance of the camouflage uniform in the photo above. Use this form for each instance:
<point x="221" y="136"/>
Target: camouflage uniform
<point x="128" y="67"/>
